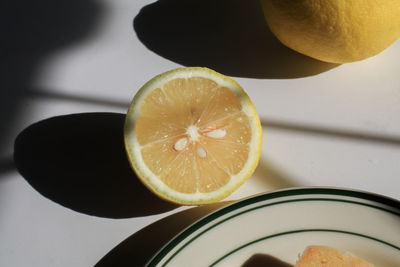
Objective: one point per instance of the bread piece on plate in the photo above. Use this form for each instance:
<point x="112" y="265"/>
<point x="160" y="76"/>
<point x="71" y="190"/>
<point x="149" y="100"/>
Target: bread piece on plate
<point x="320" y="256"/>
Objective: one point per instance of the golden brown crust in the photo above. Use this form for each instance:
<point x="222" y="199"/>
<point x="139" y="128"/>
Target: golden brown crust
<point x="321" y="256"/>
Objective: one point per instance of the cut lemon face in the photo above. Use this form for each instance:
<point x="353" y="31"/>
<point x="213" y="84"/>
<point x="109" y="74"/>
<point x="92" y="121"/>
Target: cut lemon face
<point x="192" y="135"/>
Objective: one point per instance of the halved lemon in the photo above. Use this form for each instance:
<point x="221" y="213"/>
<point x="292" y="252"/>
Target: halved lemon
<point x="192" y="135"/>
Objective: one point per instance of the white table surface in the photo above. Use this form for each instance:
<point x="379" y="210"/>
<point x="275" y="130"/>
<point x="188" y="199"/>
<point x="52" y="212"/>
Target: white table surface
<point x="323" y="125"/>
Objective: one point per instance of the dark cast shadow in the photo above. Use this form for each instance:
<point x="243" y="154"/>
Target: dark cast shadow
<point x="265" y="260"/>
<point x="79" y="162"/>
<point x="6" y="165"/>
<point x="332" y="132"/>
<point x="140" y="247"/>
<point x="31" y="31"/>
<point x="229" y="36"/>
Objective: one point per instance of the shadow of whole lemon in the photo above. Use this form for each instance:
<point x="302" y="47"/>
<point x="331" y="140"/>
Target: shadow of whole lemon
<point x="336" y="31"/>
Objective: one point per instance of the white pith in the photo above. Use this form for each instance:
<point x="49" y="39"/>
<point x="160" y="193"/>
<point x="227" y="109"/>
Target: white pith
<point x="193" y="133"/>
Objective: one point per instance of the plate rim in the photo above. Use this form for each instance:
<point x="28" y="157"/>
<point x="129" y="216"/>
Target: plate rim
<point x="276" y="194"/>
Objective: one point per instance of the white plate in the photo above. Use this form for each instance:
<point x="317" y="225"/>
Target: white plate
<point x="283" y="223"/>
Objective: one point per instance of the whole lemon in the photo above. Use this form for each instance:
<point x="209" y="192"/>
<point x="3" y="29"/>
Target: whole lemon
<point x="336" y="31"/>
